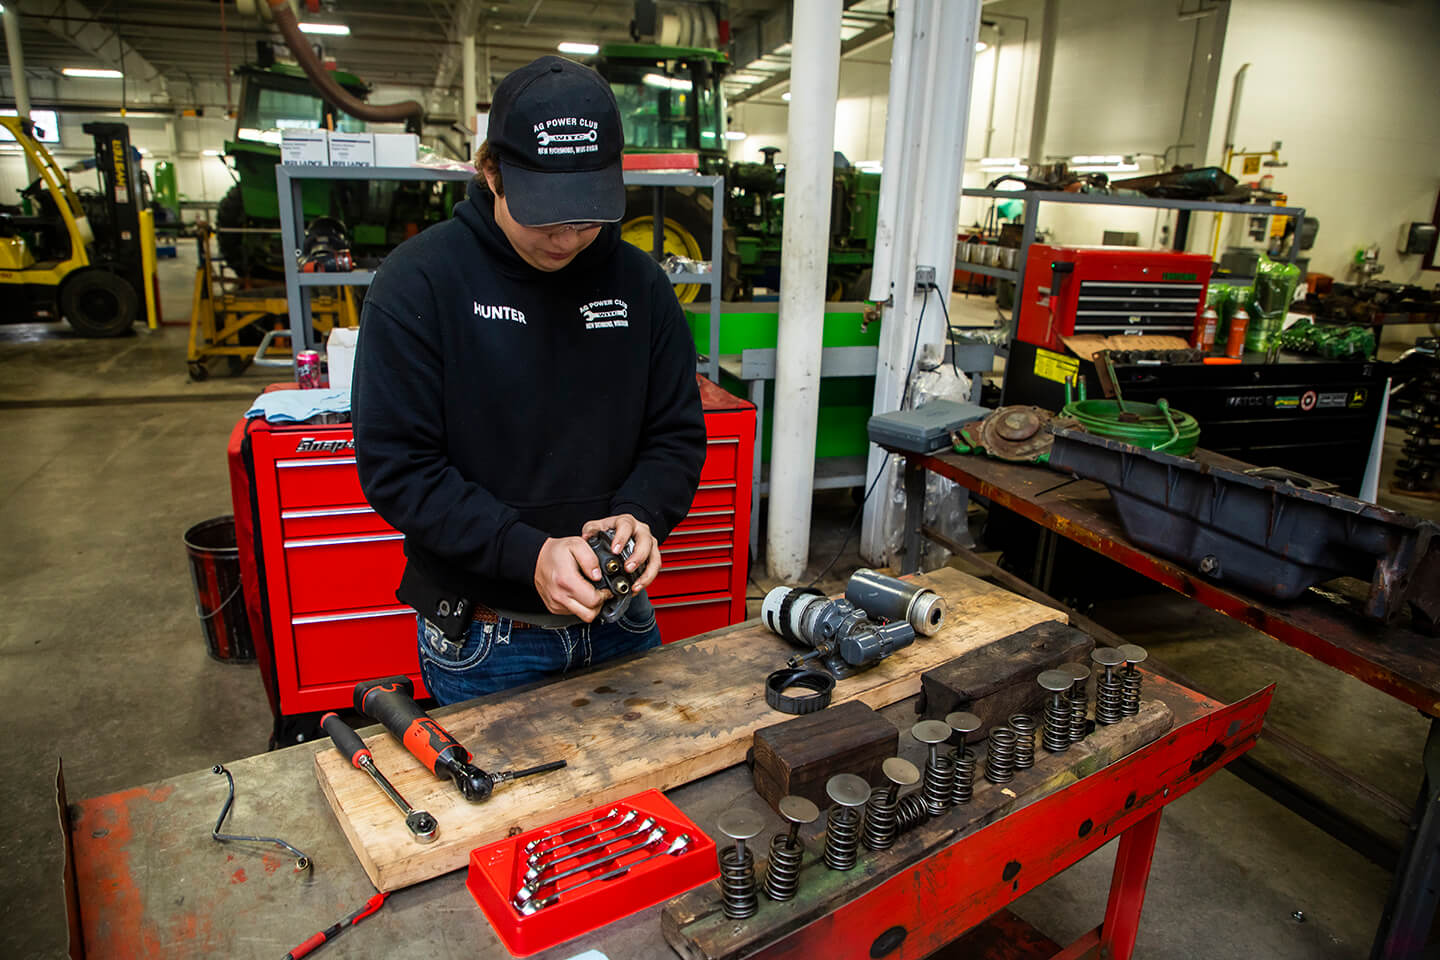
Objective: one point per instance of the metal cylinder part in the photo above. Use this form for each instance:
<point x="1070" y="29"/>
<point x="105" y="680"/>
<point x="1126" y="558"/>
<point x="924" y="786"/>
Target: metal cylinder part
<point x="965" y="761"/>
<point x="842" y="838"/>
<point x="782" y="875"/>
<point x="1000" y="757"/>
<point x="737" y="883"/>
<point x="894" y="599"/>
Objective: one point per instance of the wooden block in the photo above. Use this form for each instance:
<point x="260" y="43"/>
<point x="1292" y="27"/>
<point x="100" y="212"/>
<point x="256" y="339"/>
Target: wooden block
<point x="998" y="680"/>
<point x="656" y="721"/>
<point x="799" y="755"/>
<point x="696" y="926"/>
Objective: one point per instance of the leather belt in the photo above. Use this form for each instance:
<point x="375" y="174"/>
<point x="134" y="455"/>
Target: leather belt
<point x="484" y="614"/>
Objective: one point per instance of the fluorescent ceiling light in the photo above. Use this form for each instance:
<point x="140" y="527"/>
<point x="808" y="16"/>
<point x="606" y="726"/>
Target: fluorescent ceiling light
<point x="264" y="136"/>
<point x="664" y="82"/>
<point x="988" y="162"/>
<point x="210" y="153"/>
<point x="1111" y="159"/>
<point x="735" y="135"/>
<point x="744" y="78"/>
<point x="981" y="46"/>
<point x="579" y="49"/>
<point x="325" y="29"/>
<point x="785" y="96"/>
<point x="93" y="73"/>
<point x="1106" y="168"/>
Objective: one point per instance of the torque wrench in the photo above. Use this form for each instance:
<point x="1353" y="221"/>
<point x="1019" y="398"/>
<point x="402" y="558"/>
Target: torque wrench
<point x="391" y="701"/>
<point x="535" y="858"/>
<point x="676" y="848"/>
<point x="537" y="870"/>
<point x="422" y="826"/>
<point x="612" y="812"/>
<point x="529" y="890"/>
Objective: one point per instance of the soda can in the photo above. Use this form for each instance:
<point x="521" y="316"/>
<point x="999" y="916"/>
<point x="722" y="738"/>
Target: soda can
<point x="307" y="369"/>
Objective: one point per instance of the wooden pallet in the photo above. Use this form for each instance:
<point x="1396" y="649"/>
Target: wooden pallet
<point x="657" y="721"/>
<point x="696" y="926"/>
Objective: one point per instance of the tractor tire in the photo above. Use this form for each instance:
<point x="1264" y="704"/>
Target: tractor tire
<point x="98" y="303"/>
<point x="687" y="233"/>
<point x="253" y="255"/>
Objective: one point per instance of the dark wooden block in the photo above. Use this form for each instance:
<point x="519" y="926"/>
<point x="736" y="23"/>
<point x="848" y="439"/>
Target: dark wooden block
<point x="799" y="755"/>
<point x="998" y="680"/>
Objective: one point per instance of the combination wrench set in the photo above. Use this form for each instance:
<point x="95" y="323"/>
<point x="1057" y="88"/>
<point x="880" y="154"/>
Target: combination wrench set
<point x="860" y="815"/>
<point x="559" y="881"/>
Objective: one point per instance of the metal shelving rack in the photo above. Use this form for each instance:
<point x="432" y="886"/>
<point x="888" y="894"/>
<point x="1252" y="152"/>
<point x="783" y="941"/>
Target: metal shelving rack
<point x="1033" y="199"/>
<point x="289" y="181"/>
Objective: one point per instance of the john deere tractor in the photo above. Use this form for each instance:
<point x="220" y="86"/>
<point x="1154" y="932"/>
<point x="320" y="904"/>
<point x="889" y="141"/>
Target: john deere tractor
<point x="377" y="214"/>
<point x="671" y="101"/>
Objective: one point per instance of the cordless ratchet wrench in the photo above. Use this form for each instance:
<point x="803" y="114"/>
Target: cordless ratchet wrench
<point x="421" y="825"/>
<point x="391" y="701"/>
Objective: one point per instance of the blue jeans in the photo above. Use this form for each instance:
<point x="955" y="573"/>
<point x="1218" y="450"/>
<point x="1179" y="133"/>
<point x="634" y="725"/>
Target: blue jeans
<point x="498" y="656"/>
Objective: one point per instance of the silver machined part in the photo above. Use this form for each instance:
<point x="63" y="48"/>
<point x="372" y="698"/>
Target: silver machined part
<point x="612" y="812"/>
<point x="539" y="855"/>
<point x="540" y="870"/>
<point x="531" y="887"/>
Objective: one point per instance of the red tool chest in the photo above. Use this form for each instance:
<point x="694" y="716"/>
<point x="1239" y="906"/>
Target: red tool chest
<point x="1109" y="291"/>
<point x="320" y="567"/>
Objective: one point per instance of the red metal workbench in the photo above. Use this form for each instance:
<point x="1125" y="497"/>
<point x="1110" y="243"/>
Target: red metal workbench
<point x="1392" y="659"/>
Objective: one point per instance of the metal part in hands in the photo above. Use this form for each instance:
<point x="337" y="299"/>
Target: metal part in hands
<point x="677" y="847"/>
<point x="528" y="891"/>
<point x="302" y="861"/>
<point x="539" y="855"/>
<point x="612" y="812"/>
<point x="537" y="870"/>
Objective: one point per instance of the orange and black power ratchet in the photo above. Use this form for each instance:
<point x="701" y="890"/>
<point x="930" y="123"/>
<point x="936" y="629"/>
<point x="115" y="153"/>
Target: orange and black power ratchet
<point x="391" y="701"/>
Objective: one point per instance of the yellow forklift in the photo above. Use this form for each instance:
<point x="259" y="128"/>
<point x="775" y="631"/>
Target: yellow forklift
<point x="90" y="260"/>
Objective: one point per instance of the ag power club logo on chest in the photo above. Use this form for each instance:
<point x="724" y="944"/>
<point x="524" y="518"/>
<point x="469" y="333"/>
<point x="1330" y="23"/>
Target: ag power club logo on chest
<point x="566" y="135"/>
<point x="605" y="314"/>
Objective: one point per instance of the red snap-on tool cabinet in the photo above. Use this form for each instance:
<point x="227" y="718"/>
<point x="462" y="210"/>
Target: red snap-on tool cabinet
<point x="320" y="567"/>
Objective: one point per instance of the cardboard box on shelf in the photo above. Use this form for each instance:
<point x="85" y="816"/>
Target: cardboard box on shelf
<point x="396" y="149"/>
<point x="352" y="149"/>
<point x="305" y="148"/>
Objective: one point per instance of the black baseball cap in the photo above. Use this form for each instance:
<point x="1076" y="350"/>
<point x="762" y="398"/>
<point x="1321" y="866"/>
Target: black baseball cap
<point x="555" y="129"/>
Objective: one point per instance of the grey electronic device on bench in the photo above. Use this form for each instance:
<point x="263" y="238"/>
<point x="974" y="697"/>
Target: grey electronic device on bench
<point x="924" y="429"/>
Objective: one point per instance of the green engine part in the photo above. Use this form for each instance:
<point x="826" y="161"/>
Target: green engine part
<point x="1153" y="426"/>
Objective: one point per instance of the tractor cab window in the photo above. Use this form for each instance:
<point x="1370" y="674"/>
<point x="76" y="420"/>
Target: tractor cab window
<point x="658" y="104"/>
<point x="282" y="110"/>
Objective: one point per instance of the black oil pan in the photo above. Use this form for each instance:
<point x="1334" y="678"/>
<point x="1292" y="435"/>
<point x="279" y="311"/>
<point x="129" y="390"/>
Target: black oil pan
<point x="1260" y="533"/>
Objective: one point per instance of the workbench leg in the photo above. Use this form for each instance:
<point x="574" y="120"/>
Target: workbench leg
<point x="1127" y="888"/>
<point x="1415" y="891"/>
<point x="914" y="515"/>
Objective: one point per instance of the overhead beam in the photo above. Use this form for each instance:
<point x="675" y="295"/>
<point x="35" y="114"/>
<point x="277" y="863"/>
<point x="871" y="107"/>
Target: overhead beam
<point x="74" y="22"/>
<point x="855" y="44"/>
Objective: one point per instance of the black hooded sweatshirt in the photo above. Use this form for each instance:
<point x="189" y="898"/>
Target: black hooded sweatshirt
<point x="496" y="405"/>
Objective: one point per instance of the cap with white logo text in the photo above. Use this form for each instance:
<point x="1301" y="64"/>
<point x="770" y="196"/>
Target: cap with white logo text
<point x="555" y="129"/>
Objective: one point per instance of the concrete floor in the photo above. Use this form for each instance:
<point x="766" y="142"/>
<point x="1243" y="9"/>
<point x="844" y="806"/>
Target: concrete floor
<point x="110" y="454"/>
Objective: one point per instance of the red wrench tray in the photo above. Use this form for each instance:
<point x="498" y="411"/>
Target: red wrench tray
<point x="584" y="901"/>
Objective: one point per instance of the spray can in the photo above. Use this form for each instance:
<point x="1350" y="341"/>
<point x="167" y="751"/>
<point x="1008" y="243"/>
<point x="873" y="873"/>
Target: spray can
<point x="307" y="369"/>
<point x="1205" y="326"/>
<point x="1239" y="321"/>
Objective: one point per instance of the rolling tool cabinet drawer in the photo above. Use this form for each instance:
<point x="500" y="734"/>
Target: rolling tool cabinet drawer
<point x="318" y="482"/>
<point x="300" y="522"/>
<point x="338" y="647"/>
<point x="683" y="617"/>
<point x="722" y="460"/>
<point x="343" y="573"/>
<point x="685" y="575"/>
<point x="714" y="496"/>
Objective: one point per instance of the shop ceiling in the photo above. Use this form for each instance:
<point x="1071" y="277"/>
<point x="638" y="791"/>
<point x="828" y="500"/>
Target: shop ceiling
<point x="186" y="43"/>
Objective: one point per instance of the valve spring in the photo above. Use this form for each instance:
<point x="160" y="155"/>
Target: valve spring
<point x="1057" y="724"/>
<point x="965" y="763"/>
<point x="1130" y="691"/>
<point x="881" y="822"/>
<point x="737" y="883"/>
<point x="1109" y="699"/>
<point x="911" y="811"/>
<point x="842" y="838"/>
<point x="1024" y="726"/>
<point x="1078" y="700"/>
<point x="782" y="876"/>
<point x="939" y="783"/>
<point x="1000" y="758"/>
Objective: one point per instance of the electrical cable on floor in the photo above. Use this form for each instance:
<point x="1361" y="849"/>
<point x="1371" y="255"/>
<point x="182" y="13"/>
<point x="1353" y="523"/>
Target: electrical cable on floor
<point x="884" y="461"/>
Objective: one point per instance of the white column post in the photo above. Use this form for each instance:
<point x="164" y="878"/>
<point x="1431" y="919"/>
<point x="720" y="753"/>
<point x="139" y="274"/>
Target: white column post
<point x="804" y="254"/>
<point x="467" y="83"/>
<point x="1049" y="27"/>
<point x="934" y="84"/>
<point x="17" y="74"/>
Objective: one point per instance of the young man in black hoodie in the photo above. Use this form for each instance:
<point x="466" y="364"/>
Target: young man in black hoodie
<point x="524" y="379"/>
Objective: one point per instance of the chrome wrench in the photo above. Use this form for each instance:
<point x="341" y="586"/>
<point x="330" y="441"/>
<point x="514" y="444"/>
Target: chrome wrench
<point x="676" y="848"/>
<point x="535" y="858"/>
<point x="528" y="891"/>
<point x="612" y="812"/>
<point x="536" y="871"/>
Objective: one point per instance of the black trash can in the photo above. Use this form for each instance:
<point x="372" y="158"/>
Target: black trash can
<point x="219" y="600"/>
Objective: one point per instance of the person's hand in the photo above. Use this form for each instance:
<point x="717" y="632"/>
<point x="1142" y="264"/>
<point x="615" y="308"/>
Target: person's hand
<point x="560" y="578"/>
<point x="644" y="561"/>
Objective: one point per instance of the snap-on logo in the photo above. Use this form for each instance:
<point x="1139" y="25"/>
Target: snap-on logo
<point x="599" y="314"/>
<point x="552" y="132"/>
<point x="311" y="445"/>
<point x="490" y="312"/>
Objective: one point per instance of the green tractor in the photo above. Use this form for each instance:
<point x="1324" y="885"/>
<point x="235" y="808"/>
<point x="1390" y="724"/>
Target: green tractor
<point x="671" y="101"/>
<point x="378" y="214"/>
